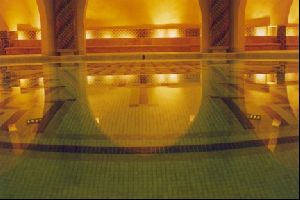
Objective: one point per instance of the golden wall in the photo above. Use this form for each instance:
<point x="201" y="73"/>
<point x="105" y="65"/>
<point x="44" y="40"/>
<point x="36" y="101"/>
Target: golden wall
<point x="103" y="13"/>
<point x="14" y="12"/>
<point x="294" y="13"/>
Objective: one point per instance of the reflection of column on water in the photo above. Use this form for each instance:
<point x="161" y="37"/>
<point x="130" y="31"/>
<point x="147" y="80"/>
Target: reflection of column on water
<point x="66" y="110"/>
<point x="272" y="101"/>
<point x="214" y="115"/>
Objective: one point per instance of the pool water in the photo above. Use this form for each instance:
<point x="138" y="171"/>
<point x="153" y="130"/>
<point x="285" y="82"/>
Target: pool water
<point x="184" y="129"/>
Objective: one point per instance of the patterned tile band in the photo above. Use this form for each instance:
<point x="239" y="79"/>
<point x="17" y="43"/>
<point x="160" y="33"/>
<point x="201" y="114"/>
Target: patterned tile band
<point x="205" y="148"/>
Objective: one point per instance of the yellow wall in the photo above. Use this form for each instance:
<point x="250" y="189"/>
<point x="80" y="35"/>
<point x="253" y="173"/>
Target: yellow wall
<point x="101" y="13"/>
<point x="104" y="13"/>
<point x="15" y="12"/>
<point x="277" y="11"/>
<point x="294" y="13"/>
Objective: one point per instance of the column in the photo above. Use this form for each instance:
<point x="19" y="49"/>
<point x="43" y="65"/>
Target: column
<point x="280" y="74"/>
<point x="281" y="37"/>
<point x="65" y="26"/>
<point x="4" y="41"/>
<point x="219" y="25"/>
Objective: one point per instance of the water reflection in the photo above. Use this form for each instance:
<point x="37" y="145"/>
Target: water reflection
<point x="152" y="104"/>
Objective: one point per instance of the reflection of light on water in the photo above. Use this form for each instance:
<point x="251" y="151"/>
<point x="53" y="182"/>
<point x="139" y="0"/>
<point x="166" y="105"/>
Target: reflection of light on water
<point x="166" y="78"/>
<point x="160" y="78"/>
<point x="192" y="118"/>
<point x="24" y="83"/>
<point x="41" y="82"/>
<point x="90" y="80"/>
<point x="109" y="79"/>
<point x="126" y="35"/>
<point x="260" y="78"/>
<point x="292" y="76"/>
<point x="150" y="124"/>
<point x="269" y="79"/>
<point x="128" y="78"/>
<point x="272" y="144"/>
<point x="16" y="90"/>
<point x="293" y="96"/>
<point x="12" y="128"/>
<point x="173" y="78"/>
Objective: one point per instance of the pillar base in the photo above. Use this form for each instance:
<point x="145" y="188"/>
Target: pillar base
<point x="219" y="49"/>
<point x="67" y="52"/>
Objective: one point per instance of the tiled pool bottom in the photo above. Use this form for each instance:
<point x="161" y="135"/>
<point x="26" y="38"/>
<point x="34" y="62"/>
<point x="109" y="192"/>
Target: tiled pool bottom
<point x="150" y="130"/>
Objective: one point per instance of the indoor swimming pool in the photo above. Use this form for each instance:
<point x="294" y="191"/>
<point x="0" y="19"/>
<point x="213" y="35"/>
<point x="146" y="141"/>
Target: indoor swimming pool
<point x="150" y="129"/>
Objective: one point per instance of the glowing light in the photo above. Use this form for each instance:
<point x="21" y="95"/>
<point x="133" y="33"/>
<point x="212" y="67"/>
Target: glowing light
<point x="24" y="83"/>
<point x="127" y="78"/>
<point x="291" y="77"/>
<point x="173" y="33"/>
<point x="160" y="78"/>
<point x="260" y="78"/>
<point x="272" y="30"/>
<point x="38" y="35"/>
<point x="173" y="78"/>
<point x="106" y="34"/>
<point x="271" y="79"/>
<point x="89" y="35"/>
<point x="166" y="33"/>
<point x="261" y="31"/>
<point x="272" y="143"/>
<point x="90" y="80"/>
<point x="292" y="31"/>
<point x="22" y="35"/>
<point x="41" y="82"/>
<point x="109" y="79"/>
<point x="160" y="33"/>
<point x="192" y="118"/>
<point x="16" y="90"/>
<point x="126" y="34"/>
<point x="12" y="128"/>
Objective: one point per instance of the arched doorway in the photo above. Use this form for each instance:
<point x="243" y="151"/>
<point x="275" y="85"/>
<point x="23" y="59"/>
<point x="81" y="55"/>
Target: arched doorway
<point x="20" y="27"/>
<point x="143" y="26"/>
<point x="267" y="21"/>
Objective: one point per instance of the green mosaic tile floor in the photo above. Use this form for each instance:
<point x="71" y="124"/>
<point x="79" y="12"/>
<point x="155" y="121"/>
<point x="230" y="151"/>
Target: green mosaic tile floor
<point x="179" y="106"/>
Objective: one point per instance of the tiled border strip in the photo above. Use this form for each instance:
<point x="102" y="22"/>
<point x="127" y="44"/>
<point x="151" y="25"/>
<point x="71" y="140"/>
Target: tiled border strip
<point x="205" y="148"/>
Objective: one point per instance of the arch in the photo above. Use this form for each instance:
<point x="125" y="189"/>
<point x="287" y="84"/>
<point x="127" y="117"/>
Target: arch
<point x="151" y="22"/>
<point x="294" y="13"/>
<point x="267" y="12"/>
<point x="238" y="25"/>
<point x="81" y="25"/>
<point x="47" y="24"/>
<point x="3" y="24"/>
<point x="266" y="23"/>
<point x="204" y="7"/>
